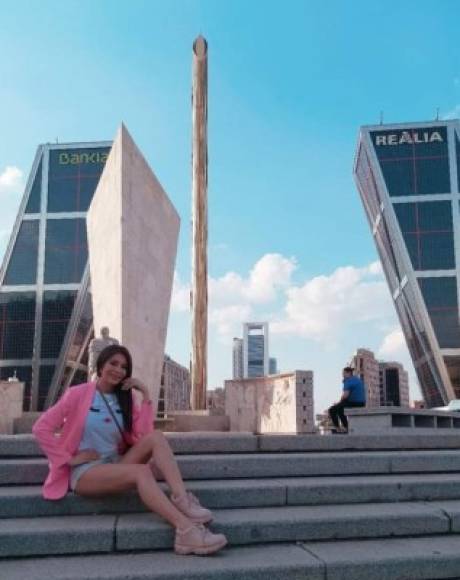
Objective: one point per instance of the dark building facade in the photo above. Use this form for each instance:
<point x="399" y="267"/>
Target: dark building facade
<point x="393" y="385"/>
<point x="255" y="349"/>
<point x="44" y="265"/>
<point x="408" y="178"/>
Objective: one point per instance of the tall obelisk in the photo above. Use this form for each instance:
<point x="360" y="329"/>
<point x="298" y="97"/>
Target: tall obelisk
<point x="199" y="292"/>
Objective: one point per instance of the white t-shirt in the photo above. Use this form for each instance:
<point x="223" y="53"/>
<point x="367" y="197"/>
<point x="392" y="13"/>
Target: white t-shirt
<point x="100" y="432"/>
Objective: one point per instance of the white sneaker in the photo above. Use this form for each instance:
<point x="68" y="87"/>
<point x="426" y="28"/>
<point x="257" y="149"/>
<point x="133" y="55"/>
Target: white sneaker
<point x="189" y="505"/>
<point x="198" y="540"/>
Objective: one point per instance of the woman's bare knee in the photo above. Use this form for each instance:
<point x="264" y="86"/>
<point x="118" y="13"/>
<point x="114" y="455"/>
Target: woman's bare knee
<point x="154" y="437"/>
<point x="141" y="472"/>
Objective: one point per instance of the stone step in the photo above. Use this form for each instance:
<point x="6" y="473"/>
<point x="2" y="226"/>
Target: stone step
<point x="27" y="501"/>
<point x="247" y="465"/>
<point x="186" y="443"/>
<point x="422" y="558"/>
<point x="277" y="562"/>
<point x="134" y="532"/>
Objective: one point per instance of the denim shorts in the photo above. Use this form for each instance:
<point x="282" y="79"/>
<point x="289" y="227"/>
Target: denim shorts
<point x="79" y="470"/>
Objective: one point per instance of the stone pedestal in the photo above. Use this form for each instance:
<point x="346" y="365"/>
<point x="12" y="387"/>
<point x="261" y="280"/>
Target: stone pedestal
<point x="132" y="240"/>
<point x="11" y="397"/>
<point x="274" y="404"/>
<point x="199" y="421"/>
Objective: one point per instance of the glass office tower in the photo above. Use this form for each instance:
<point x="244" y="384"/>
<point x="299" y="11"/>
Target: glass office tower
<point x="44" y="264"/>
<point x="255" y="349"/>
<point x="408" y="178"/>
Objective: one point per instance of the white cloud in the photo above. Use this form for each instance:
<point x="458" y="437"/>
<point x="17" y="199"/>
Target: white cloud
<point x="393" y="346"/>
<point x="227" y="320"/>
<point x="180" y="299"/>
<point x="322" y="309"/>
<point x="232" y="296"/>
<point x="326" y="307"/>
<point x="270" y="274"/>
<point x="11" y="180"/>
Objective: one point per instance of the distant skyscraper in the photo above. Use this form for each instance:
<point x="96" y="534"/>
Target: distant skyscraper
<point x="44" y="265"/>
<point x="255" y="349"/>
<point x="408" y="177"/>
<point x="272" y="366"/>
<point x="238" y="365"/>
<point x="366" y="367"/>
<point x="394" y="384"/>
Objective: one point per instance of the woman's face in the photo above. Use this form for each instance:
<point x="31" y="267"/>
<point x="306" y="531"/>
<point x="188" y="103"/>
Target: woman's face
<point x="115" y="369"/>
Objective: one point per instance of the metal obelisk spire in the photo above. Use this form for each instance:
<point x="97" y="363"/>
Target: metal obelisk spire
<point x="199" y="292"/>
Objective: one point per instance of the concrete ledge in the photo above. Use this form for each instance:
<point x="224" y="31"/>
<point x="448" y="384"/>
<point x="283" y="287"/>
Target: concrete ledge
<point x="425" y="461"/>
<point x="199" y="421"/>
<point x="27" y="501"/>
<point x="25" y="423"/>
<point x="401" y="420"/>
<point x="287" y="524"/>
<point x="422" y="558"/>
<point x="376" y="488"/>
<point x="250" y="465"/>
<point x="207" y="442"/>
<point x="181" y="443"/>
<point x="43" y="536"/>
<point x="133" y="532"/>
<point x="252" y="563"/>
<point x="351" y="442"/>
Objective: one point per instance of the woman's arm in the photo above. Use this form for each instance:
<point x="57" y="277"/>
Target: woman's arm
<point x="142" y="419"/>
<point x="45" y="429"/>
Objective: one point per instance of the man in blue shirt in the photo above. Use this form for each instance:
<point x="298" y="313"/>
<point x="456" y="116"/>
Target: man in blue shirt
<point x="354" y="395"/>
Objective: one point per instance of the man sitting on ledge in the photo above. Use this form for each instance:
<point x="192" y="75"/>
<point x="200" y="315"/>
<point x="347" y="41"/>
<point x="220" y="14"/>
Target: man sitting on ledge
<point x="354" y="395"/>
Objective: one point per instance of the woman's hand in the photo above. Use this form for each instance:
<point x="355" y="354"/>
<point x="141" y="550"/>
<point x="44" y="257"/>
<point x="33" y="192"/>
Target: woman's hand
<point x="84" y="456"/>
<point x="137" y="385"/>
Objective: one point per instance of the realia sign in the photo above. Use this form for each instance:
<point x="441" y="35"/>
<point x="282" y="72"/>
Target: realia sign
<point x="407" y="138"/>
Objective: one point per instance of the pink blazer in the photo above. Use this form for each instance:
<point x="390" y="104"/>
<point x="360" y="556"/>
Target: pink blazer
<point x="69" y="416"/>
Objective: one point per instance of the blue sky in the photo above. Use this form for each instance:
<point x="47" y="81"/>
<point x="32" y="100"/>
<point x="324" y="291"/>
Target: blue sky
<point x="289" y="85"/>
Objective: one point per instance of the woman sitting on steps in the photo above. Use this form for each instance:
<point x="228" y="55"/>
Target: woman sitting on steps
<point x="107" y="445"/>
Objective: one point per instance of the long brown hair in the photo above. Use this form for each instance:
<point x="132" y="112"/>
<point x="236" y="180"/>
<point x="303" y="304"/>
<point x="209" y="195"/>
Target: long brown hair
<point x="125" y="398"/>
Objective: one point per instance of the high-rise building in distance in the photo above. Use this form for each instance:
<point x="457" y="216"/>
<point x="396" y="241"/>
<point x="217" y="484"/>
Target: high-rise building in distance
<point x="366" y="366"/>
<point x="386" y="383"/>
<point x="394" y="385"/>
<point x="44" y="263"/>
<point x="238" y="365"/>
<point x="409" y="181"/>
<point x="255" y="349"/>
<point x="272" y="366"/>
<point x="250" y="353"/>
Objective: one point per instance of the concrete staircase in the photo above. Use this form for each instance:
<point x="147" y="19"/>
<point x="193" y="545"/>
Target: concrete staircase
<point x="292" y="507"/>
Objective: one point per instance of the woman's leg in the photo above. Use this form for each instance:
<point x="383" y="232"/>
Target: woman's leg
<point x="104" y="479"/>
<point x="155" y="445"/>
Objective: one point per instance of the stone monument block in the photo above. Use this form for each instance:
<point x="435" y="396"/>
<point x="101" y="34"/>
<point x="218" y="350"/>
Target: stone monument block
<point x="11" y="395"/>
<point x="132" y="240"/>
<point x="280" y="403"/>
